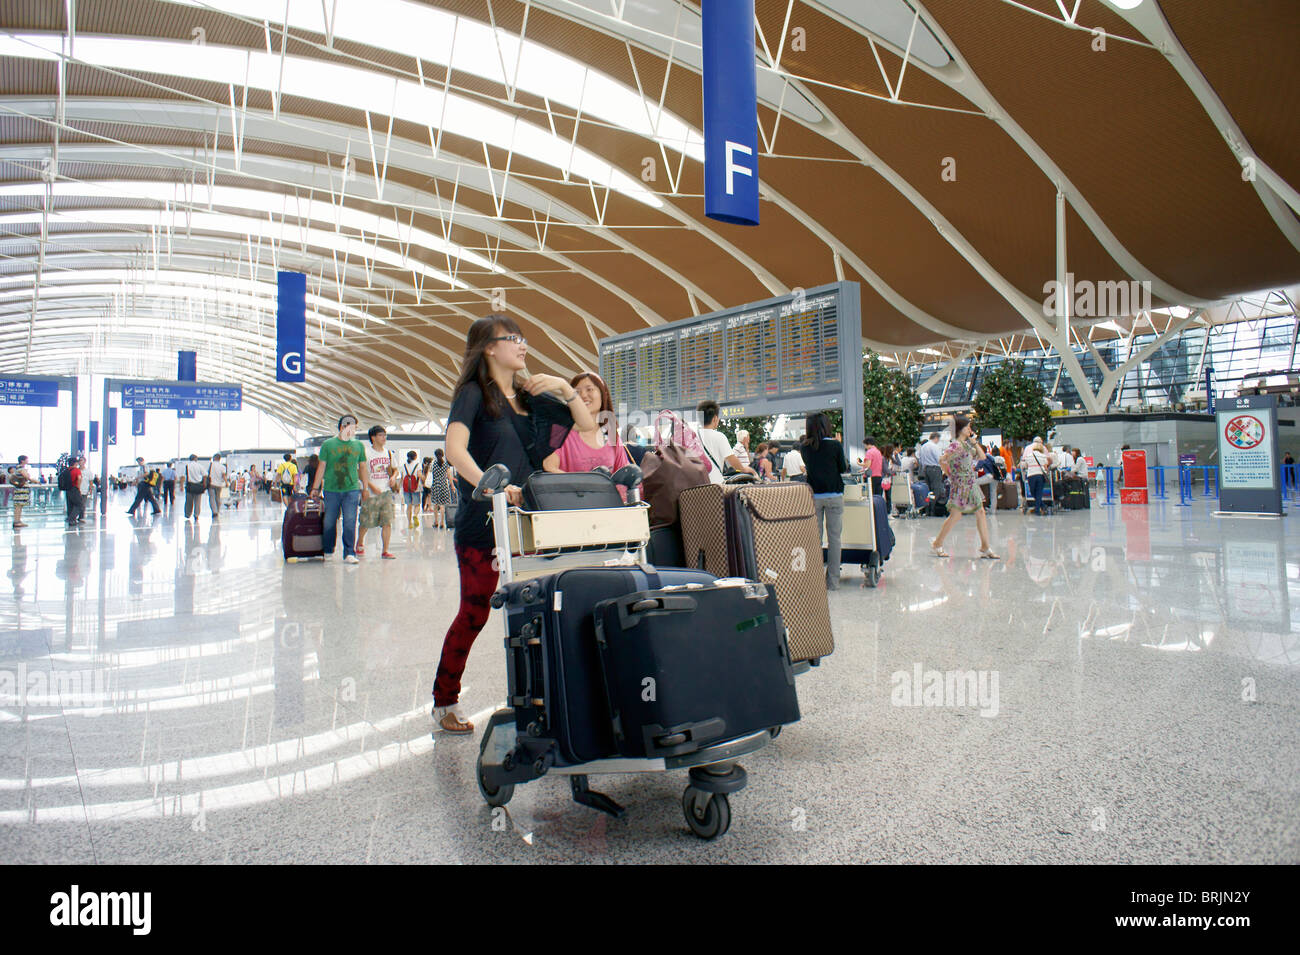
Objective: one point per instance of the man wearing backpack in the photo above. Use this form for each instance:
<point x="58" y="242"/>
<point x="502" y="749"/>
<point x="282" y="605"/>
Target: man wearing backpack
<point x="144" y="488"/>
<point x="70" y="485"/>
<point x="412" y="479"/>
<point x="286" y="473"/>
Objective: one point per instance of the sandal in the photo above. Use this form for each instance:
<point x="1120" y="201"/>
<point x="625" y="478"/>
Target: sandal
<point x="938" y="551"/>
<point x="449" y="721"/>
<point x="986" y="554"/>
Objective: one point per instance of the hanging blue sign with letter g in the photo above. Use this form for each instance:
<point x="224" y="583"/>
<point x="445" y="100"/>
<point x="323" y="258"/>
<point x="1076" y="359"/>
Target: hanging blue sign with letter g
<point x="291" y="327"/>
<point x="730" y="112"/>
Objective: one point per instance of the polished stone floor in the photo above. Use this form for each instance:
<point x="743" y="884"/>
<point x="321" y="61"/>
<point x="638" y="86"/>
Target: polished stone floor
<point x="177" y="693"/>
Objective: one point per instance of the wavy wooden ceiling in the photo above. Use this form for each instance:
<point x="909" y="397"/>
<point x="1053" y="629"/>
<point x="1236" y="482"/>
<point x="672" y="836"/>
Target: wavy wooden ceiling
<point x="1121" y="125"/>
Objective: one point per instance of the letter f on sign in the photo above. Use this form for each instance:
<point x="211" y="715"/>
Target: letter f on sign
<point x="734" y="167"/>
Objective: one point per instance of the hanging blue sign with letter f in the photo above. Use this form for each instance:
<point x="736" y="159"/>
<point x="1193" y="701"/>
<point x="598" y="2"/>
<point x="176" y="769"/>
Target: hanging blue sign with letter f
<point x="291" y="327"/>
<point x="730" y="112"/>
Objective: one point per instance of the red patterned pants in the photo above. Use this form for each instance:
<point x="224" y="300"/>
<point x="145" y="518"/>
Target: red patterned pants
<point x="478" y="581"/>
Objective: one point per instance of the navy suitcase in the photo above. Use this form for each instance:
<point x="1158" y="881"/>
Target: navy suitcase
<point x="689" y="666"/>
<point x="303" y="531"/>
<point x="553" y="667"/>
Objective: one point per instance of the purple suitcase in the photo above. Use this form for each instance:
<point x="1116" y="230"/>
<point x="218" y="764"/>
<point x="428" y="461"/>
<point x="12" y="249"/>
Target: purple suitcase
<point x="304" y="529"/>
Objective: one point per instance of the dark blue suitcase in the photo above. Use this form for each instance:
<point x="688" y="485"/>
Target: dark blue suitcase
<point x="556" y="684"/>
<point x="689" y="666"/>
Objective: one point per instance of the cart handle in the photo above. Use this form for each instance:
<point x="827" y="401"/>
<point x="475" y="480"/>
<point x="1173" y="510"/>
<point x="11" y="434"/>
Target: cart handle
<point x="628" y="476"/>
<point x="493" y="481"/>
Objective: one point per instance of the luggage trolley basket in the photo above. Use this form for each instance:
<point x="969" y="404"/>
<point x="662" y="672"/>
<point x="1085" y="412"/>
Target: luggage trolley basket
<point x="858" y="544"/>
<point x="513" y="754"/>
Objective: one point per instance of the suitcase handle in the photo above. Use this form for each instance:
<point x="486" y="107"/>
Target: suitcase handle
<point x="666" y="603"/>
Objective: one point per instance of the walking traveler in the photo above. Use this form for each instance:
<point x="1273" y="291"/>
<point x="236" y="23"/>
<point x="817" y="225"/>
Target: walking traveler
<point x="412" y="478"/>
<point x="927" y="456"/>
<point x="168" y="485"/>
<point x="377" y="491"/>
<point x="195" y="485"/>
<point x="144" y="488"/>
<point x="497" y="417"/>
<point x="439" y="488"/>
<point x="824" y="459"/>
<point x="21" y="478"/>
<point x="76" y="502"/>
<point x="1036" y="465"/>
<point x="426" y="488"/>
<point x="216" y="482"/>
<point x="87" y="486"/>
<point x="986" y="475"/>
<point x="958" y="463"/>
<point x="309" y="473"/>
<point x="286" y="475"/>
<point x="873" y="466"/>
<point x="338" y="474"/>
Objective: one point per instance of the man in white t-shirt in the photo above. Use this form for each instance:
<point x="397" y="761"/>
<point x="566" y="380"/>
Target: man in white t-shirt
<point x="377" y="491"/>
<point x="792" y="468"/>
<point x="216" y="476"/>
<point x="716" y="445"/>
<point x="194" y="474"/>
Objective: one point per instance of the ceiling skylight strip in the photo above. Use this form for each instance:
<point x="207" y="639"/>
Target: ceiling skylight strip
<point x="243" y="226"/>
<point x="339" y="85"/>
<point x="470" y="46"/>
<point x="259" y="200"/>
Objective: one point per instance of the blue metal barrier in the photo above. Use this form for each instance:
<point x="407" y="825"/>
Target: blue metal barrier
<point x="1160" y="470"/>
<point x="1184" y="486"/>
<point x="1208" y="469"/>
<point x="1110" y="470"/>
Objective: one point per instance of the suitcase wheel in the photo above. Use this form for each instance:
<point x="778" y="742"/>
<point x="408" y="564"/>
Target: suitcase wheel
<point x="708" y="814"/>
<point x="493" y="796"/>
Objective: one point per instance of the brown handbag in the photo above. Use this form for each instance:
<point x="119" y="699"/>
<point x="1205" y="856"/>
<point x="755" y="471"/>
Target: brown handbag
<point x="666" y="471"/>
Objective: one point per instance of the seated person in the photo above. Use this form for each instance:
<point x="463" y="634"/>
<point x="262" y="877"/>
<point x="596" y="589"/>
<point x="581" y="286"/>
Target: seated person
<point x="586" y="451"/>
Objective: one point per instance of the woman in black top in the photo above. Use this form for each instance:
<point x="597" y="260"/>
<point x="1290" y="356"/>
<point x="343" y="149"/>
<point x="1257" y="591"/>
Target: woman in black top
<point x="823" y="459"/>
<point x="497" y="417"/>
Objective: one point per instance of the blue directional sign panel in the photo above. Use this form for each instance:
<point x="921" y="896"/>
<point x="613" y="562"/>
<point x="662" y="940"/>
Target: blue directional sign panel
<point x="29" y="391"/>
<point x="173" y="396"/>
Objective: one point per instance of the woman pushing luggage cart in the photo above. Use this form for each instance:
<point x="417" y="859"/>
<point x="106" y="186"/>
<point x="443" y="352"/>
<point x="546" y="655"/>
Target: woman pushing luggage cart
<point x="625" y="668"/>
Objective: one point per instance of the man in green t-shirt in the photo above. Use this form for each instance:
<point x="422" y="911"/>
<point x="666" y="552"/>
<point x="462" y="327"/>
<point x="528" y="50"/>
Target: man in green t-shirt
<point x="341" y="462"/>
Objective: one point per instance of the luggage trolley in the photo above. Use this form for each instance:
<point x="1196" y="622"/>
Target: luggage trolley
<point x="509" y="757"/>
<point x="858" y="533"/>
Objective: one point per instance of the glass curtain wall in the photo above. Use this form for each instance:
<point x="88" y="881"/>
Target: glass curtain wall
<point x="1236" y="351"/>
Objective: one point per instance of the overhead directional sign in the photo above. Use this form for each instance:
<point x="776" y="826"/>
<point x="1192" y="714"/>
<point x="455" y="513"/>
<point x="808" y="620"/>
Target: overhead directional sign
<point x="34" y="392"/>
<point x="182" y="396"/>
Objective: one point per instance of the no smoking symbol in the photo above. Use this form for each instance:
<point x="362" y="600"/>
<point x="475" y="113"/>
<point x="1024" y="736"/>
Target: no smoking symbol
<point x="1244" y="432"/>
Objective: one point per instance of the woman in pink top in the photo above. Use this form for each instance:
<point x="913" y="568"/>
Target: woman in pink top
<point x="600" y="448"/>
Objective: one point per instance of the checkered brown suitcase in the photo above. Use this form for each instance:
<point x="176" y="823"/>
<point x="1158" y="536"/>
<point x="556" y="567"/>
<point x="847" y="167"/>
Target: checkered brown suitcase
<point x="766" y="532"/>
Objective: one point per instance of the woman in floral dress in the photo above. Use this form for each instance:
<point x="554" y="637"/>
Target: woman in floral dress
<point x="958" y="463"/>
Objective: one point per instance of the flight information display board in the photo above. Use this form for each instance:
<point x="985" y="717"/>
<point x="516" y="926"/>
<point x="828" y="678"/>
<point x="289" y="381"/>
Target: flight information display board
<point x="799" y="352"/>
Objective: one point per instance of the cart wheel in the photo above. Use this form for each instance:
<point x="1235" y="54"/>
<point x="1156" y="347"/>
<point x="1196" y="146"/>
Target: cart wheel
<point x="775" y="731"/>
<point x="493" y="797"/>
<point x="873" y="576"/>
<point x="708" y="815"/>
